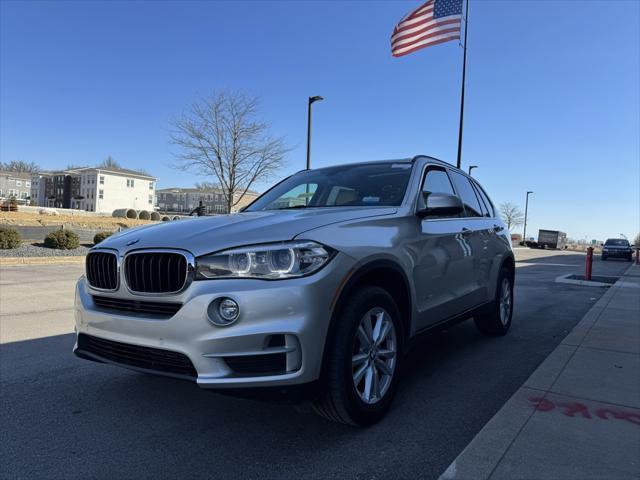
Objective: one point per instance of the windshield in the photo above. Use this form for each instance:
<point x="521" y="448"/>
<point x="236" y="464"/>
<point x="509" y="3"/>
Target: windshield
<point x="365" y="185"/>
<point x="617" y="242"/>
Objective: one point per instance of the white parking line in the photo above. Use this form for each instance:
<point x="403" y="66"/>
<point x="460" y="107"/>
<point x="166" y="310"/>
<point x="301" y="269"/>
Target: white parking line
<point x="537" y="264"/>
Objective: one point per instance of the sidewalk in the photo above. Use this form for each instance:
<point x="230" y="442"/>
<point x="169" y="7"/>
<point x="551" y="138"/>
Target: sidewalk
<point x="578" y="415"/>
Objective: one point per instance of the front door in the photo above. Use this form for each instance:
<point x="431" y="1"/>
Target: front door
<point x="444" y="261"/>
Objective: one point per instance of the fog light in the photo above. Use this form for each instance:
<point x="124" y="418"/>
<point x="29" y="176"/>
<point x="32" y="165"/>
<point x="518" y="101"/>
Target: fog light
<point x="228" y="310"/>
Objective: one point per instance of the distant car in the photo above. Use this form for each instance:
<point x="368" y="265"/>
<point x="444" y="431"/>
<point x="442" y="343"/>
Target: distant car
<point x="321" y="281"/>
<point x="617" y="248"/>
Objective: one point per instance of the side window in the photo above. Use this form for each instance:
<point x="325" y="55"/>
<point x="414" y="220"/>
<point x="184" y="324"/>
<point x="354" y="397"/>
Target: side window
<point x="467" y="195"/>
<point x="437" y="181"/>
<point x="485" y="200"/>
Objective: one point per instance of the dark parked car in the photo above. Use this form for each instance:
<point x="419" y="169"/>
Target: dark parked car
<point x="617" y="248"/>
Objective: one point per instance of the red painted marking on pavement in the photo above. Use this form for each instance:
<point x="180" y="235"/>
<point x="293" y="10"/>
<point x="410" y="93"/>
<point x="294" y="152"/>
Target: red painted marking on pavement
<point x="573" y="409"/>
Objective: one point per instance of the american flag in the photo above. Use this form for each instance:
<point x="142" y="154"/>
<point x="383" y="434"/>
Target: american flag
<point x="435" y="22"/>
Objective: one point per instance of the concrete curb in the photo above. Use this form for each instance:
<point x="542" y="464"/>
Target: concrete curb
<point x="12" y="261"/>
<point x="512" y="426"/>
<point x="582" y="283"/>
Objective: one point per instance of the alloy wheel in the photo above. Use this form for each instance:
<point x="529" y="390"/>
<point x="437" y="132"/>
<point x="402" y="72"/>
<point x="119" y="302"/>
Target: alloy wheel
<point x="505" y="301"/>
<point x="374" y="356"/>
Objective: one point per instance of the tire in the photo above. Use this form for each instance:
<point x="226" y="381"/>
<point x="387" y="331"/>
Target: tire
<point x="494" y="320"/>
<point x="342" y="400"/>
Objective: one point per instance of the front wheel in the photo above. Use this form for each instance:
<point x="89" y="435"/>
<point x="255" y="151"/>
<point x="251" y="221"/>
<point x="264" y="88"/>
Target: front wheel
<point x="362" y="359"/>
<point x="496" y="319"/>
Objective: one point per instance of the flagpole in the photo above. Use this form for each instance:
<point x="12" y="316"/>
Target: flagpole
<point x="464" y="71"/>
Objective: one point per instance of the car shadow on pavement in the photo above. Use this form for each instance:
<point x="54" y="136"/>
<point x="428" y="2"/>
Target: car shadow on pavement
<point x="61" y="413"/>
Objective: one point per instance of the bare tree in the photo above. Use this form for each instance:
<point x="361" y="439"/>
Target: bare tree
<point x="221" y="136"/>
<point x="109" y="162"/>
<point x="511" y="214"/>
<point x="19" y="166"/>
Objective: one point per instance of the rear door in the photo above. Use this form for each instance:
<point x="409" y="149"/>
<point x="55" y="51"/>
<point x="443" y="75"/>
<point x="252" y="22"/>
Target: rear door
<point x="494" y="242"/>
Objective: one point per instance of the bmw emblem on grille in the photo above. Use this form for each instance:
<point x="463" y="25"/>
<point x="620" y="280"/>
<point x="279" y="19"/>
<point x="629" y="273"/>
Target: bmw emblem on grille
<point x="132" y="242"/>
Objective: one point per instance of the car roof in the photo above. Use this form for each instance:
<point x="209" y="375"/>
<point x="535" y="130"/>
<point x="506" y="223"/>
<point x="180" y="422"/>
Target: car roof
<point x="396" y="160"/>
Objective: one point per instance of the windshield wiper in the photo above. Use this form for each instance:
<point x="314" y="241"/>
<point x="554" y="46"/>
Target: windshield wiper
<point x="293" y="206"/>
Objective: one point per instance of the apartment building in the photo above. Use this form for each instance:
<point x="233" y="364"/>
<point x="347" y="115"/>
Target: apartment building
<point x="101" y="190"/>
<point x="184" y="200"/>
<point x="15" y="185"/>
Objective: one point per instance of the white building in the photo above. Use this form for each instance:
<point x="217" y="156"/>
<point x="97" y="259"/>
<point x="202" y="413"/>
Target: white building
<point x="15" y="185"/>
<point x="101" y="190"/>
<point x="104" y="190"/>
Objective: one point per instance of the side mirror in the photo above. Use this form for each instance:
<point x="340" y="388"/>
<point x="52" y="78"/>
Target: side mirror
<point x="439" y="205"/>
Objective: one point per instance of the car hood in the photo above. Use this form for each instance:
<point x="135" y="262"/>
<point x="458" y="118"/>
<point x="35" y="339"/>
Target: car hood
<point x="210" y="234"/>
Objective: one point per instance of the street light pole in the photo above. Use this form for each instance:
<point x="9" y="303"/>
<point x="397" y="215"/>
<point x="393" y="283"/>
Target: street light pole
<point x="311" y="101"/>
<point x="471" y="167"/>
<point x="526" y="211"/>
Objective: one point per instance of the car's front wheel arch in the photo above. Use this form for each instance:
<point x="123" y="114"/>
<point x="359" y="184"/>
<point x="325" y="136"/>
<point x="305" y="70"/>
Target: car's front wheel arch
<point x="385" y="274"/>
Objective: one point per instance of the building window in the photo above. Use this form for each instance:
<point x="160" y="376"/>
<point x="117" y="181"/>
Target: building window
<point x="13" y="192"/>
<point x="24" y="195"/>
<point x="101" y="194"/>
<point x="101" y="179"/>
<point x="150" y="185"/>
<point x="27" y="184"/>
<point x="18" y="183"/>
<point x="130" y="183"/>
<point x="151" y="199"/>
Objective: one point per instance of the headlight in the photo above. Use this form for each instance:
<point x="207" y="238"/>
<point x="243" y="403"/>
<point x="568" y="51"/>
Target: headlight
<point x="271" y="262"/>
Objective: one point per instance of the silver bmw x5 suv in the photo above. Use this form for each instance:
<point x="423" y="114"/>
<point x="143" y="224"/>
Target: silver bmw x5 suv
<point x="322" y="281"/>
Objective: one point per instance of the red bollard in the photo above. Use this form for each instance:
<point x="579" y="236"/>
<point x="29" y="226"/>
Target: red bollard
<point x="589" y="264"/>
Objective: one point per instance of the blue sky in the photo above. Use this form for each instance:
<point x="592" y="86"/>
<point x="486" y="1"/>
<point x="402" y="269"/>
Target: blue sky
<point x="553" y="101"/>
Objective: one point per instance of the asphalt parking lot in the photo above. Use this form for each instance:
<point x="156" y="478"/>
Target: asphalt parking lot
<point x="63" y="417"/>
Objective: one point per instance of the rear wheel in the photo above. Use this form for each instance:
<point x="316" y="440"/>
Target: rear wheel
<point x="363" y="360"/>
<point x="496" y="319"/>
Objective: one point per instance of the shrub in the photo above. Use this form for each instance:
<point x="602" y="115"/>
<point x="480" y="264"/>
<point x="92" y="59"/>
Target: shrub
<point x="9" y="238"/>
<point x="62" y="239"/>
<point x="100" y="236"/>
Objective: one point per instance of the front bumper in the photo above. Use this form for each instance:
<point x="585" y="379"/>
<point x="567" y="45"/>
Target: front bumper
<point x="286" y="317"/>
<point x="617" y="253"/>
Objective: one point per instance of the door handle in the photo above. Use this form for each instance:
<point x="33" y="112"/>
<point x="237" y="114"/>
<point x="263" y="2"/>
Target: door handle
<point x="466" y="231"/>
<point x="498" y="228"/>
